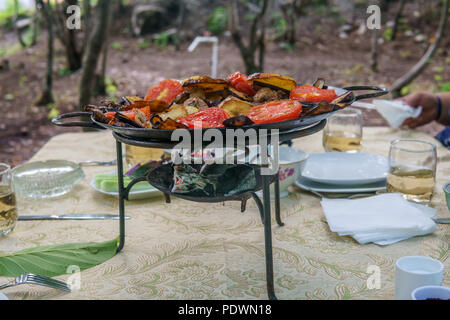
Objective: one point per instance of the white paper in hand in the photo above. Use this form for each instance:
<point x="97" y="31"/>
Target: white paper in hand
<point x="395" y="112"/>
<point x="382" y="219"/>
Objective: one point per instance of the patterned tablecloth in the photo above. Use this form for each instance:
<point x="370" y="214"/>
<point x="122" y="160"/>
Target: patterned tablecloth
<point x="188" y="250"/>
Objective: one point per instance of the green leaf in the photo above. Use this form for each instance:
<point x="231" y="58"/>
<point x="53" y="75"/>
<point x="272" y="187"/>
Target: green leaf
<point x="54" y="260"/>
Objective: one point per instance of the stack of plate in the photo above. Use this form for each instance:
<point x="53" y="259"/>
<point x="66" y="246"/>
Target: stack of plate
<point x="335" y="172"/>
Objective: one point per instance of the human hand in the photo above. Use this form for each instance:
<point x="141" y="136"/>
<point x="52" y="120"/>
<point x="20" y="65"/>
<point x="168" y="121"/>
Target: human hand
<point x="429" y="104"/>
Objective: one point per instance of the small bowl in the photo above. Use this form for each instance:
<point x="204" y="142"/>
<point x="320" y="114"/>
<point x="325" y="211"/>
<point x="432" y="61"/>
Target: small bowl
<point x="447" y="193"/>
<point x="431" y="293"/>
<point x="291" y="163"/>
<point x="46" y="179"/>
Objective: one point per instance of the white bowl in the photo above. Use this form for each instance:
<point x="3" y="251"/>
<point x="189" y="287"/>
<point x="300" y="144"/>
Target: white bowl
<point x="431" y="292"/>
<point x="291" y="163"/>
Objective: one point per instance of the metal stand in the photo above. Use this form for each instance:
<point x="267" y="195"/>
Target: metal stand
<point x="263" y="206"/>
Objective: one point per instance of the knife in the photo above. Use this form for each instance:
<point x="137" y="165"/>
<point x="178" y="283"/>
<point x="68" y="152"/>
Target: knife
<point x="72" y="217"/>
<point x="442" y="220"/>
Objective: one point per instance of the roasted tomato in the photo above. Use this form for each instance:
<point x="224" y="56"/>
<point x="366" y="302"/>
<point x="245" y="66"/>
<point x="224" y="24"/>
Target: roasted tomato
<point x="239" y="81"/>
<point x="166" y="90"/>
<point x="210" y="118"/>
<point x="312" y="94"/>
<point x="275" y="111"/>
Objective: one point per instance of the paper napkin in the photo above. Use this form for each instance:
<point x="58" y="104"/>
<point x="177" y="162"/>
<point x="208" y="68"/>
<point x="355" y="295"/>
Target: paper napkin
<point x="382" y="219"/>
<point x="395" y="112"/>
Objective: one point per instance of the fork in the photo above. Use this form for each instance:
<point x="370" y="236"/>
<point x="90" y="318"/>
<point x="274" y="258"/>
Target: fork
<point x="39" y="280"/>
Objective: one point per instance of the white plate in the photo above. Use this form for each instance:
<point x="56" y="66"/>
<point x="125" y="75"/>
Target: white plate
<point x="306" y="184"/>
<point x="134" y="195"/>
<point x="340" y="168"/>
<point x="3" y="297"/>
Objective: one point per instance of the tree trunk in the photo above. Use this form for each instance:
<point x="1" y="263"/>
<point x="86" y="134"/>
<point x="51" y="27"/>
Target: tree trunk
<point x="374" y="51"/>
<point x="100" y="87"/>
<point x="47" y="94"/>
<point x="255" y="42"/>
<point x="93" y="52"/>
<point x="16" y="29"/>
<point x="397" y="17"/>
<point x="180" y="25"/>
<point x="423" y="62"/>
<point x="87" y="23"/>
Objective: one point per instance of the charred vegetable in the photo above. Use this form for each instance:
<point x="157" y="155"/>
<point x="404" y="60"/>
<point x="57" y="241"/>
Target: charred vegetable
<point x="207" y="84"/>
<point x="196" y="102"/>
<point x="240" y="95"/>
<point x="237" y="121"/>
<point x="267" y="94"/>
<point x="272" y="80"/>
<point x="235" y="107"/>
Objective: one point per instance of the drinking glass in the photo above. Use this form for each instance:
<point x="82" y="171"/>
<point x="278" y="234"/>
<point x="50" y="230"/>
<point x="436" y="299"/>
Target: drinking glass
<point x="412" y="169"/>
<point x="343" y="132"/>
<point x="8" y="210"/>
<point x="135" y="155"/>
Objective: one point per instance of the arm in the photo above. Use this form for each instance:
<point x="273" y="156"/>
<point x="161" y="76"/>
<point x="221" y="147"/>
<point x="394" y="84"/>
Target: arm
<point x="430" y="105"/>
<point x="445" y="114"/>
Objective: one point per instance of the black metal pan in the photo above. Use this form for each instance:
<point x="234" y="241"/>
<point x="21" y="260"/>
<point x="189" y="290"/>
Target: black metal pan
<point x="166" y="134"/>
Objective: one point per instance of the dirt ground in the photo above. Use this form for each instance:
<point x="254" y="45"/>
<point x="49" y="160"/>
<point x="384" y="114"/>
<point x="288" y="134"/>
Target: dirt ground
<point x="25" y="128"/>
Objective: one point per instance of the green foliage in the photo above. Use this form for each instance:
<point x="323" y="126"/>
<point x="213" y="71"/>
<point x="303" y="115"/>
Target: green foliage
<point x="444" y="87"/>
<point x="9" y="96"/>
<point x="54" y="260"/>
<point x="54" y="112"/>
<point x="111" y="89"/>
<point x="279" y="24"/>
<point x="7" y="14"/>
<point x="143" y="44"/>
<point x="162" y="40"/>
<point x="287" y="46"/>
<point x="387" y="34"/>
<point x="22" y="80"/>
<point x="406" y="90"/>
<point x="62" y="72"/>
<point x="116" y="45"/>
<point x="217" y="23"/>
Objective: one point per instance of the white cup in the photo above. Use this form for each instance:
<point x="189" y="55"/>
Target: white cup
<point x="416" y="271"/>
<point x="431" y="292"/>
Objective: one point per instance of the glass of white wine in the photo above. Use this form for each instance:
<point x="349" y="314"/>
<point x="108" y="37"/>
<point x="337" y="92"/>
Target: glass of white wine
<point x="343" y="132"/>
<point x="135" y="155"/>
<point x="412" y="169"/>
<point x="8" y="209"/>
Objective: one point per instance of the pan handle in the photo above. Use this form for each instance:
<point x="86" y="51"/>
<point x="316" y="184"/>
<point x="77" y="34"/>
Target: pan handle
<point x="378" y="91"/>
<point x="86" y="124"/>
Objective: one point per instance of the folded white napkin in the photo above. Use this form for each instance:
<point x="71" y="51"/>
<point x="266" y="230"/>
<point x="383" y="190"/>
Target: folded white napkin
<point x="395" y="112"/>
<point x="382" y="219"/>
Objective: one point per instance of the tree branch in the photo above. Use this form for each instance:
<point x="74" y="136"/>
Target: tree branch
<point x="423" y="62"/>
